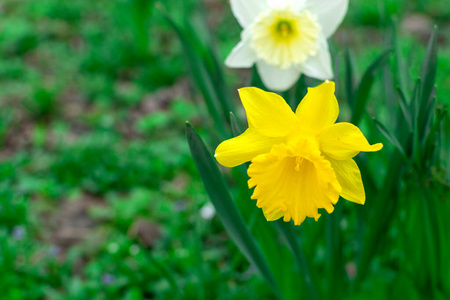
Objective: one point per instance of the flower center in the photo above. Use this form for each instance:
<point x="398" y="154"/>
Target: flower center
<point x="298" y="161"/>
<point x="294" y="180"/>
<point x="284" y="28"/>
<point x="283" y="38"/>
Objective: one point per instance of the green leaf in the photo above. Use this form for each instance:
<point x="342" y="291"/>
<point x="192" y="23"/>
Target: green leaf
<point x="200" y="73"/>
<point x="350" y="78"/>
<point x="428" y="71"/>
<point x="431" y="137"/>
<point x="415" y="108"/>
<point x="210" y="62"/>
<point x="301" y="88"/>
<point x="234" y="125"/>
<point x="362" y="94"/>
<point x="287" y="232"/>
<point x="383" y="212"/>
<point x="392" y="139"/>
<point x="400" y="68"/>
<point x="427" y="101"/>
<point x="431" y="234"/>
<point x="404" y="108"/>
<point x="226" y="208"/>
<point x="335" y="265"/>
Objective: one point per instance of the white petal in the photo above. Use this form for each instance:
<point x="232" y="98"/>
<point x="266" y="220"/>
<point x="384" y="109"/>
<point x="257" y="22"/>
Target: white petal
<point x="330" y="13"/>
<point x="242" y="56"/>
<point x="246" y="11"/>
<point x="295" y="4"/>
<point x="277" y="79"/>
<point x="319" y="66"/>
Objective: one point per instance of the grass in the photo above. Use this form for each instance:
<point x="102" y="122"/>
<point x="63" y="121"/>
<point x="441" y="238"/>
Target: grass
<point x="99" y="196"/>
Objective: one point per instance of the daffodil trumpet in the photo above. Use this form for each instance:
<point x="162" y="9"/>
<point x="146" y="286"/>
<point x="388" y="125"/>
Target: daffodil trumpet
<point x="302" y="161"/>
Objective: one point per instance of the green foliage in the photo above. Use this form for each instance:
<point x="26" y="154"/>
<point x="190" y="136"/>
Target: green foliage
<point x="205" y="70"/>
<point x="91" y="141"/>
<point x="17" y="37"/>
<point x="6" y="117"/>
<point x="97" y="164"/>
<point x="410" y="174"/>
<point x="70" y="45"/>
<point x="41" y="103"/>
<point x="226" y="208"/>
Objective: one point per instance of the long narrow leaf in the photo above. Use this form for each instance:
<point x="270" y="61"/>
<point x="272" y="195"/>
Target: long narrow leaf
<point x="400" y="69"/>
<point x="391" y="138"/>
<point x="234" y="125"/>
<point x="416" y="150"/>
<point x="211" y="64"/>
<point x="200" y="75"/>
<point x="362" y="94"/>
<point x="226" y="208"/>
<point x="381" y="216"/>
<point x="293" y="242"/>
<point x="350" y="81"/>
<point x="428" y="90"/>
<point x="432" y="137"/>
<point x="404" y="108"/>
<point x="335" y="266"/>
<point x="428" y="71"/>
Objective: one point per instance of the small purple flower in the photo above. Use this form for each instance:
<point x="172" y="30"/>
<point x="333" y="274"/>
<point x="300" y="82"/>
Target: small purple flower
<point x="54" y="250"/>
<point x="108" y="278"/>
<point x="18" y="232"/>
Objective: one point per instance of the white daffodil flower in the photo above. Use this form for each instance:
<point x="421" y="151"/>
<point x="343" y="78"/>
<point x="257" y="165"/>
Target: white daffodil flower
<point x="286" y="38"/>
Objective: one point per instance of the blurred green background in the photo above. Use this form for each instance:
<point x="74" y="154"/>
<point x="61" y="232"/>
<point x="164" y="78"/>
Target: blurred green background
<point x="99" y="197"/>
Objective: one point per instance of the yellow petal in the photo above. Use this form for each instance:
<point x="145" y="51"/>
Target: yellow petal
<point x="349" y="177"/>
<point x="293" y="187"/>
<point x="267" y="113"/>
<point x="344" y="140"/>
<point x="319" y="109"/>
<point x="272" y="215"/>
<point x="244" y="147"/>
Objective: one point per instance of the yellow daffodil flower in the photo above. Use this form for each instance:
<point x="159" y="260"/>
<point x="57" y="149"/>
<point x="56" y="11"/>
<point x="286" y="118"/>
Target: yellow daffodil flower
<point x="286" y="38"/>
<point x="300" y="161"/>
